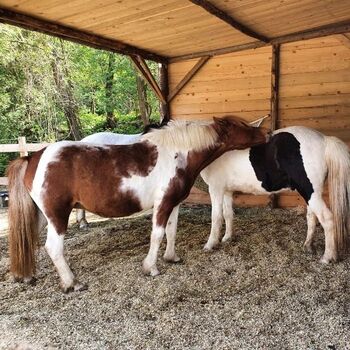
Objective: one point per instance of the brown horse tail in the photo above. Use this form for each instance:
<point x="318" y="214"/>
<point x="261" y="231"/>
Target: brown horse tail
<point x="23" y="222"/>
<point x="338" y="162"/>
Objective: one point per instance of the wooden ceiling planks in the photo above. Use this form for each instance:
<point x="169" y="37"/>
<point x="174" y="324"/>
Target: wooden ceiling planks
<point x="277" y="17"/>
<point x="178" y="28"/>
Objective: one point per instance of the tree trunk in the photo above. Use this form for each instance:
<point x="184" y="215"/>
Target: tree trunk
<point x="142" y="99"/>
<point x="110" y="120"/>
<point x="64" y="87"/>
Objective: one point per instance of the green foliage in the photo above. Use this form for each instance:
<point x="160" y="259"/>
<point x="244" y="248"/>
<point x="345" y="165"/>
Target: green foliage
<point x="31" y="102"/>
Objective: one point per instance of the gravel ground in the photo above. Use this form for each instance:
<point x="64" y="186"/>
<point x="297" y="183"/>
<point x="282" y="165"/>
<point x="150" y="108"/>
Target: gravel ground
<point x="258" y="292"/>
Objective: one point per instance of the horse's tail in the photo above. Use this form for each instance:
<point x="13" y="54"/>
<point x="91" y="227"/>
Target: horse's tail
<point x="23" y="222"/>
<point x="338" y="163"/>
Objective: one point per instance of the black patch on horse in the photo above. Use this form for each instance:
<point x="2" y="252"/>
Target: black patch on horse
<point x="278" y="164"/>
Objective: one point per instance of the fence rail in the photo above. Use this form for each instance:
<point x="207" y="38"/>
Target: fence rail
<point x="22" y="147"/>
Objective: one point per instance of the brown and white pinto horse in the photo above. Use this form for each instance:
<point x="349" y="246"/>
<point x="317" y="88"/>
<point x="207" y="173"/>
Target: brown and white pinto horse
<point x="113" y="181"/>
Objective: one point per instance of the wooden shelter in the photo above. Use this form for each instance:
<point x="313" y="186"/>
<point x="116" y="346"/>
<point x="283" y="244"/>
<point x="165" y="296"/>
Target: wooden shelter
<point x="248" y="58"/>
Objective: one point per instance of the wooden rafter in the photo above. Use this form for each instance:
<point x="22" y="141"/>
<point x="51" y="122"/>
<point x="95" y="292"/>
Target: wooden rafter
<point x="329" y="29"/>
<point x="71" y="34"/>
<point x="188" y="77"/>
<point x="336" y="28"/>
<point x="145" y="72"/>
<point x="212" y="9"/>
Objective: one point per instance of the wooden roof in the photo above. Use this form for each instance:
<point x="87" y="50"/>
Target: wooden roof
<point x="176" y="28"/>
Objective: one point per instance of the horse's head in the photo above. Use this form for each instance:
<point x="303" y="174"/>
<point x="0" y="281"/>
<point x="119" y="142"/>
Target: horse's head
<point x="235" y="133"/>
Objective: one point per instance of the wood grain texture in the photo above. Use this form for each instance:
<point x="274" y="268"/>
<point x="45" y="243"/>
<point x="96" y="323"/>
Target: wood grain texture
<point x="173" y="28"/>
<point x="314" y="92"/>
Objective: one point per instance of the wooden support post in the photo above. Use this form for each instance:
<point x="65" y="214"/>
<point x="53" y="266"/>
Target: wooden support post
<point x="145" y="72"/>
<point x="164" y="87"/>
<point x="22" y="144"/>
<point x="275" y="75"/>
<point x="188" y="77"/>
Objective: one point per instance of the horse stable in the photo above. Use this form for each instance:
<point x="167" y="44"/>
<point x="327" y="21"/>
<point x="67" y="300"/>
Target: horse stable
<point x="248" y="58"/>
<point x="289" y="59"/>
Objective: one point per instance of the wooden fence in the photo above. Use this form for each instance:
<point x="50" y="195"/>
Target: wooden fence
<point x="22" y="147"/>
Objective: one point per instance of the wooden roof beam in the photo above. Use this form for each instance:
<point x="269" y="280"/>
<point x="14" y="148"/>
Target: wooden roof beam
<point x="145" y="72"/>
<point x="330" y="29"/>
<point x="212" y="9"/>
<point x="77" y="36"/>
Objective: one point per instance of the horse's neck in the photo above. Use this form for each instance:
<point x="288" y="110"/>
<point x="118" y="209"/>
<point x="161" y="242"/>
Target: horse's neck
<point x="198" y="160"/>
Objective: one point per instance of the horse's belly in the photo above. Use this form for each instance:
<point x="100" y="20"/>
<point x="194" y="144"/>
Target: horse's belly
<point x="114" y="205"/>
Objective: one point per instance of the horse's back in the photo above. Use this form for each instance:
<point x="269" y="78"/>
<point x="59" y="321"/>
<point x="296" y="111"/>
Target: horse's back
<point x="112" y="138"/>
<point x="72" y="173"/>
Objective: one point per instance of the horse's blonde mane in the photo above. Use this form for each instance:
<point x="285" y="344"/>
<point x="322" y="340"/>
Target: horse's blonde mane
<point x="184" y="135"/>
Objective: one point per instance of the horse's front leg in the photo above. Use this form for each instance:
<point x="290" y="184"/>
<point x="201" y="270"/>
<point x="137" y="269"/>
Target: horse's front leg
<point x="159" y="222"/>
<point x="171" y="228"/>
<point x="216" y="197"/>
<point x="228" y="215"/>
<point x="54" y="247"/>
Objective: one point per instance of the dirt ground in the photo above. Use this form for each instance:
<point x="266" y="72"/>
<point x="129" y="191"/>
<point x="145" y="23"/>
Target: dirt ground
<point x="259" y="291"/>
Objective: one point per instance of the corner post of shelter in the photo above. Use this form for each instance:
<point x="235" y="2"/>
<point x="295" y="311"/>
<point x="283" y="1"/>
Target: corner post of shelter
<point x="275" y="76"/>
<point x="164" y="87"/>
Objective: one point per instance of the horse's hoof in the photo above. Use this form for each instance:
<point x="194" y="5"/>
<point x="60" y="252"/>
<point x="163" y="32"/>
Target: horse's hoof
<point x="328" y="260"/>
<point x="226" y="239"/>
<point x="84" y="227"/>
<point x="172" y="259"/>
<point x="309" y="249"/>
<point x="76" y="287"/>
<point x="210" y="247"/>
<point x="150" y="270"/>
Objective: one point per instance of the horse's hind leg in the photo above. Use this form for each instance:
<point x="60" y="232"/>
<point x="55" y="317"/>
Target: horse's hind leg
<point x="311" y="226"/>
<point x="216" y="197"/>
<point x="325" y="217"/>
<point x="81" y="219"/>
<point x="228" y="216"/>
<point x="54" y="247"/>
<point x="170" y="254"/>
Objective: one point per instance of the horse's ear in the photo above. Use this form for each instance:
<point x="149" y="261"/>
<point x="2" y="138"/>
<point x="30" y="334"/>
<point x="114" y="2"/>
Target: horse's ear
<point x="258" y="122"/>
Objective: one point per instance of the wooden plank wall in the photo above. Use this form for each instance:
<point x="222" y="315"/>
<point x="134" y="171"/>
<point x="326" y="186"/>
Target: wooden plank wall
<point x="236" y="83"/>
<point x="314" y="91"/>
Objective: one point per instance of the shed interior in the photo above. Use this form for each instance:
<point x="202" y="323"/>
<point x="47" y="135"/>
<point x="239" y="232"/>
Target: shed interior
<point x="290" y="58"/>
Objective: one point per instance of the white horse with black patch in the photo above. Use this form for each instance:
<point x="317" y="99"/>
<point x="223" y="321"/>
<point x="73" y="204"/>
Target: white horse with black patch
<point x="296" y="158"/>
